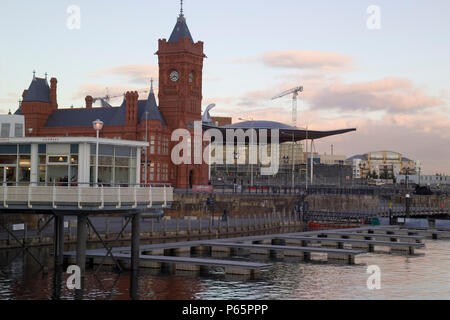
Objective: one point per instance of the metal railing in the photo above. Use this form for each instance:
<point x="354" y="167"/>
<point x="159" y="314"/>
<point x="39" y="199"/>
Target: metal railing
<point x="86" y="195"/>
<point x="302" y="190"/>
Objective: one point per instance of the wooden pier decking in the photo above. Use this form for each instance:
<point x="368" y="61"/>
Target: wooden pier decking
<point x="180" y="263"/>
<point x="293" y="251"/>
<point x="301" y="245"/>
<point x="368" y="245"/>
<point x="371" y="236"/>
<point x="429" y="233"/>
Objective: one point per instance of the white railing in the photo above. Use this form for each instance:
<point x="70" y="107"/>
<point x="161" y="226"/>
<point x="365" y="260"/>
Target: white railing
<point x="79" y="196"/>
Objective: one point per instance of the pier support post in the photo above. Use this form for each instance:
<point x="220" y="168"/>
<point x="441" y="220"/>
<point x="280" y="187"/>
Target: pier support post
<point x="219" y="222"/>
<point x="107" y="228"/>
<point x="135" y="241"/>
<point x="58" y="239"/>
<point x="81" y="251"/>
<point x="135" y="253"/>
<point x="164" y="226"/>
<point x="189" y="226"/>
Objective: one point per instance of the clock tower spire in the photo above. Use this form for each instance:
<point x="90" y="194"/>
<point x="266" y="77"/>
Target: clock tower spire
<point x="180" y="62"/>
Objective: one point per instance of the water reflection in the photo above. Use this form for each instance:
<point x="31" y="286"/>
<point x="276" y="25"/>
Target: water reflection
<point x="423" y="276"/>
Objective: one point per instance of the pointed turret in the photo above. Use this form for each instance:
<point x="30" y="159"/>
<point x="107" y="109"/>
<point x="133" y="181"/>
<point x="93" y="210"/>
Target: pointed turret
<point x="151" y="110"/>
<point x="181" y="29"/>
<point x="38" y="91"/>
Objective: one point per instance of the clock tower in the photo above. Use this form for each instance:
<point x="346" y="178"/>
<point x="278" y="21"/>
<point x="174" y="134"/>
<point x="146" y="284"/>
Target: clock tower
<point x="180" y="93"/>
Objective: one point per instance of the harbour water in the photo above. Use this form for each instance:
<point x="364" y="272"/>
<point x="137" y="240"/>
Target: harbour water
<point x="422" y="276"/>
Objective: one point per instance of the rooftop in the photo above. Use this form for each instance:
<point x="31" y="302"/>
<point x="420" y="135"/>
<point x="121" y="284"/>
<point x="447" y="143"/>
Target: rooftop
<point x="180" y="31"/>
<point x="38" y="91"/>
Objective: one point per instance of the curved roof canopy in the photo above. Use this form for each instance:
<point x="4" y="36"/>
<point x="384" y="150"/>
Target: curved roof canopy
<point x="287" y="133"/>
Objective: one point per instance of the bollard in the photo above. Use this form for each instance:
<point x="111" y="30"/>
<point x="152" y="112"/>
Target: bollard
<point x="210" y="225"/>
<point x="123" y="224"/>
<point x="189" y="225"/>
<point x="107" y="228"/>
<point x="24" y="233"/>
<point x="40" y="234"/>
<point x="8" y="242"/>
<point x="280" y="220"/>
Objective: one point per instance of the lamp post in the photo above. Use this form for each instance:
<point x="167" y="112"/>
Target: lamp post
<point x="98" y="125"/>
<point x="145" y="148"/>
<point x="251" y="164"/>
<point x="407" y="204"/>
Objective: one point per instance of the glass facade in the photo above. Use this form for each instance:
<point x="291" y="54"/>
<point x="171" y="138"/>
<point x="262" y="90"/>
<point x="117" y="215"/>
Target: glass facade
<point x="14" y="167"/>
<point x="58" y="164"/>
<point x="115" y="164"/>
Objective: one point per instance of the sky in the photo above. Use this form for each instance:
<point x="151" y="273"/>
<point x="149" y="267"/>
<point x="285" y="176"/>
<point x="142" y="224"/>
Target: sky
<point x="391" y="83"/>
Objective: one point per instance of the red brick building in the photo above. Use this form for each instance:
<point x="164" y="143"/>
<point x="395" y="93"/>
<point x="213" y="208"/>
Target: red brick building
<point x="180" y="97"/>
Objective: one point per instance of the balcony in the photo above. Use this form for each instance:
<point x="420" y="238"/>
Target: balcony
<point x="84" y="198"/>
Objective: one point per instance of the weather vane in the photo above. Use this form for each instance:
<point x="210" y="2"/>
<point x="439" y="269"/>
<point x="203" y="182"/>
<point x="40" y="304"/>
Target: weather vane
<point x="181" y="11"/>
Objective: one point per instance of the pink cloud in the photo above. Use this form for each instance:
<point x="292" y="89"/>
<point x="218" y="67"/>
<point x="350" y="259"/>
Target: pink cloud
<point x="302" y="59"/>
<point x="389" y="94"/>
<point x="134" y="72"/>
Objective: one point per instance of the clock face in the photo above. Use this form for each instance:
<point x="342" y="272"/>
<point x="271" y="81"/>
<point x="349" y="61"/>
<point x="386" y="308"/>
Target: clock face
<point x="191" y="77"/>
<point x="174" y="76"/>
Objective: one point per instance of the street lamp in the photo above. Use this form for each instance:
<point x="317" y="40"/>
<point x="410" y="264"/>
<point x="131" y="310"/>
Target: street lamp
<point x="251" y="164"/>
<point x="146" y="150"/>
<point x="407" y="204"/>
<point x="98" y="125"/>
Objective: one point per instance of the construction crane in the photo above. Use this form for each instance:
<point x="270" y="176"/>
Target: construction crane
<point x="107" y="98"/>
<point x="294" y="92"/>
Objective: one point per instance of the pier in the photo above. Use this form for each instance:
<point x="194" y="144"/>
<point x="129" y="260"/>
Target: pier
<point x="341" y="246"/>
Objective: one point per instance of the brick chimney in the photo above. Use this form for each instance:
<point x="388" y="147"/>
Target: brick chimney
<point x="53" y="83"/>
<point x="132" y="102"/>
<point x="89" y="100"/>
